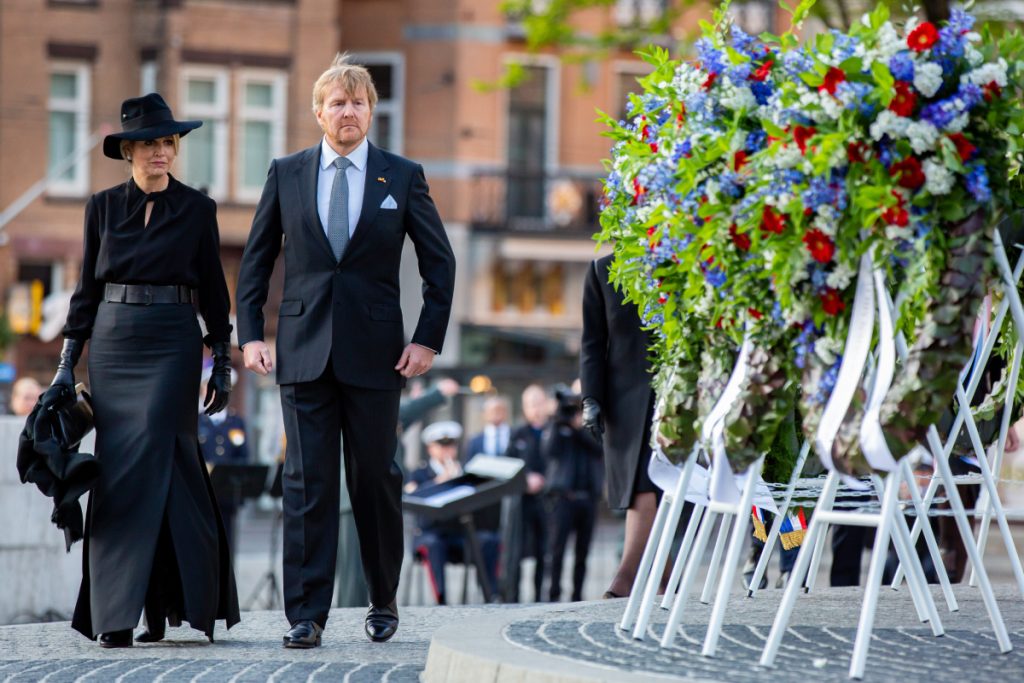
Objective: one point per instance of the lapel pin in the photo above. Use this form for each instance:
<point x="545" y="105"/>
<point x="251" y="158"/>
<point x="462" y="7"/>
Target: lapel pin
<point x="380" y="179"/>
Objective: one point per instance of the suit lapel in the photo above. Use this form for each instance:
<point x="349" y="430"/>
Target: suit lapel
<point x="374" y="192"/>
<point x="306" y="177"/>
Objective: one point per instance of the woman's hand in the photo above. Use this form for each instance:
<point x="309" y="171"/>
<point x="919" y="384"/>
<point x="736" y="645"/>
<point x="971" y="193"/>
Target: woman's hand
<point x="69" y="355"/>
<point x="218" y="388"/>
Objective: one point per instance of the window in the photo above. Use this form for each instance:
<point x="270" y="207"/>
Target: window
<point x="388" y="72"/>
<point x="753" y="16"/>
<point x="67" y="158"/>
<point x="531" y="125"/>
<point x="634" y="12"/>
<point x="260" y="134"/>
<point x="204" y="154"/>
<point x="147" y="77"/>
<point x="626" y="75"/>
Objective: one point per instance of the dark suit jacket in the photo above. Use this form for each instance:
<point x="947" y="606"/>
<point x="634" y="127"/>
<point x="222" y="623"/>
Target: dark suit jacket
<point x="350" y="309"/>
<point x="615" y="370"/>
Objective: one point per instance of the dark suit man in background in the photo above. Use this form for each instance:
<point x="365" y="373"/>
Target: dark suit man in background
<point x="342" y="209"/>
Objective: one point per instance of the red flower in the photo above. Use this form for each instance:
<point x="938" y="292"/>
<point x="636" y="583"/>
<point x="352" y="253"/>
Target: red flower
<point x="772" y="222"/>
<point x="757" y="315"/>
<point x="992" y="91"/>
<point x="963" y="146"/>
<point x="908" y="173"/>
<point x="651" y="230"/>
<point x="897" y="215"/>
<point x="831" y="302"/>
<point x="762" y="71"/>
<point x="923" y="37"/>
<point x="681" y="116"/>
<point x="801" y="134"/>
<point x="820" y="246"/>
<point x="638" y="192"/>
<point x="709" y="81"/>
<point x="855" y="152"/>
<point x="740" y="239"/>
<point x="833" y="78"/>
<point x="662" y="298"/>
<point x="903" y="103"/>
<point x="739" y="160"/>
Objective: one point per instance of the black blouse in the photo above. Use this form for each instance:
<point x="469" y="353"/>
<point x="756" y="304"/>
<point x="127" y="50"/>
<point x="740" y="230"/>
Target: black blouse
<point x="179" y="246"/>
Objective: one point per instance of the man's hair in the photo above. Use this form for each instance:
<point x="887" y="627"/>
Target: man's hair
<point x="349" y="76"/>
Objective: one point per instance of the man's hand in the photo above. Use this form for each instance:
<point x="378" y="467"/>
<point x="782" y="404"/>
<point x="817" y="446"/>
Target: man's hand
<point x="256" y="355"/>
<point x="415" y="360"/>
<point x="534" y="483"/>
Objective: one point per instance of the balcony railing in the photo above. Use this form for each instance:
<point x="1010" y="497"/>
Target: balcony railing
<point x="535" y="202"/>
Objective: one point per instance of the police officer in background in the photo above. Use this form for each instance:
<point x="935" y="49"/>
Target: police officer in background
<point x="223" y="441"/>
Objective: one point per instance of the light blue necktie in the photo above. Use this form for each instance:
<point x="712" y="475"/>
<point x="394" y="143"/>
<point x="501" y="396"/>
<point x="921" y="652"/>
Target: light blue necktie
<point x="337" y="213"/>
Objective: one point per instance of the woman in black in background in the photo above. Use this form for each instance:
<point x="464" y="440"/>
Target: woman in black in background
<point x="154" y="539"/>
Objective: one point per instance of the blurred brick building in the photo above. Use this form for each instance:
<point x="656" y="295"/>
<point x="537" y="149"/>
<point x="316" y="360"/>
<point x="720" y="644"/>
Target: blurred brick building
<point x="515" y="172"/>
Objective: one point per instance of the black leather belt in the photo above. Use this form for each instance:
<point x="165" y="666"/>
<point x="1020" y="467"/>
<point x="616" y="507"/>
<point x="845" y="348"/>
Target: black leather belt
<point x="148" y="294"/>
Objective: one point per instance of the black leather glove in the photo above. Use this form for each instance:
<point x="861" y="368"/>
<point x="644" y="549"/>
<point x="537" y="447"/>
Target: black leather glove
<point x="69" y="355"/>
<point x="592" y="419"/>
<point x="218" y="388"/>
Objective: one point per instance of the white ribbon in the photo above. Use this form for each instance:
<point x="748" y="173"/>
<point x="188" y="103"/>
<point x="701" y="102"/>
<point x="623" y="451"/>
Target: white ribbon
<point x="665" y="476"/>
<point x="872" y="440"/>
<point x="723" y="482"/>
<point x="855" y="353"/>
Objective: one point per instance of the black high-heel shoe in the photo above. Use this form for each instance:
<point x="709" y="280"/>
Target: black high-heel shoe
<point x="116" y="638"/>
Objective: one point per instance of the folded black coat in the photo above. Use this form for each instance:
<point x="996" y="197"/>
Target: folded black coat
<point x="46" y="459"/>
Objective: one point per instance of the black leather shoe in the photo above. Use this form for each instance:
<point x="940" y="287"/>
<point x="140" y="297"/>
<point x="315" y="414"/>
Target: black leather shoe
<point x="303" y="635"/>
<point x="116" y="638"/>
<point x="152" y="633"/>
<point x="382" y="622"/>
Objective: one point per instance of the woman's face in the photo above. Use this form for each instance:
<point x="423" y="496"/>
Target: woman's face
<point x="153" y="158"/>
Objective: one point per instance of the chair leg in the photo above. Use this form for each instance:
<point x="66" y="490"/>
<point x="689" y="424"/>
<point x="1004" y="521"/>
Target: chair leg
<point x="644" y="569"/>
<point x="716" y="560"/>
<point x="696" y="558"/>
<point x="684" y="551"/>
<point x="929" y="536"/>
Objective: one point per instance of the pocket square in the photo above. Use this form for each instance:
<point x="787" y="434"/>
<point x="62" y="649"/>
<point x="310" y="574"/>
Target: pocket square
<point x="389" y="203"/>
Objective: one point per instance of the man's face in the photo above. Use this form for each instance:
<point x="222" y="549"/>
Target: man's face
<point x="24" y="397"/>
<point x="536" y="407"/>
<point x="495" y="413"/>
<point x="443" y="451"/>
<point x="345" y="117"/>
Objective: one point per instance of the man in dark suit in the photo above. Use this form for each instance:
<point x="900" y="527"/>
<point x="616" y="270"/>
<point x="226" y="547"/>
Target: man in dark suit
<point x="342" y="210"/>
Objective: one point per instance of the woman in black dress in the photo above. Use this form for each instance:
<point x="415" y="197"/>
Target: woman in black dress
<point x="154" y="539"/>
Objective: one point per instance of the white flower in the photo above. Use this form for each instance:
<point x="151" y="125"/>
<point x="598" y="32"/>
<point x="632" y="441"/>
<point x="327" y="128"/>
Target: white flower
<point x="958" y="124"/>
<point x="711" y="191"/>
<point x="938" y="178"/>
<point x="825" y="223"/>
<point x="797" y="313"/>
<point x="831" y="106"/>
<point x="928" y="78"/>
<point x="889" y="42"/>
<point x="922" y="136"/>
<point x="840" y="277"/>
<point x="974" y="57"/>
<point x="787" y="156"/>
<point x="827" y="349"/>
<point x="888" y="123"/>
<point x="987" y="73"/>
<point x="737" y="98"/>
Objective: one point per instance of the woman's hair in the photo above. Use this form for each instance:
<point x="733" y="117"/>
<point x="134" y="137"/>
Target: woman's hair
<point x="127" y="145"/>
<point x="349" y="76"/>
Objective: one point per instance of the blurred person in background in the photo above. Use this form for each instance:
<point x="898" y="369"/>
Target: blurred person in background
<point x="573" y="487"/>
<point x="24" y="394"/>
<point x="494" y="438"/>
<point x="524" y="443"/>
<point x="223" y="440"/>
<point x="154" y="539"/>
<point x="440" y="541"/>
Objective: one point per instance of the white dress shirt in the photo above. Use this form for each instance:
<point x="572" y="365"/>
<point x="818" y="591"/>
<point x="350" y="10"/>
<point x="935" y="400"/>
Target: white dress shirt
<point x="356" y="174"/>
<point x="495" y="439"/>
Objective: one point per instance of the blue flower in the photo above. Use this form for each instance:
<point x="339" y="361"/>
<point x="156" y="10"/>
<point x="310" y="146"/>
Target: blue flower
<point x="711" y="58"/>
<point x="742" y="41"/>
<point x="901" y="66"/>
<point x="762" y="91"/>
<point x="715" y="276"/>
<point x="795" y="62"/>
<point x="977" y="182"/>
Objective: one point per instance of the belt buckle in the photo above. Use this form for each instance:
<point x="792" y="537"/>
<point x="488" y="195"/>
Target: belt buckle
<point x="147" y="298"/>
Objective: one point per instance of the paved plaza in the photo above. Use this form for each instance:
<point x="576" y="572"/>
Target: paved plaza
<point x="566" y="642"/>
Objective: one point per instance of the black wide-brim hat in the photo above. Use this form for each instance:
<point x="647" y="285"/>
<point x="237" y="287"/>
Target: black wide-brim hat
<point x="145" y="118"/>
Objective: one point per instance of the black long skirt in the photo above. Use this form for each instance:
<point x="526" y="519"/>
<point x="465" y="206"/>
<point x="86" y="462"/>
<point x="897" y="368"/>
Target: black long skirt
<point x="154" y="538"/>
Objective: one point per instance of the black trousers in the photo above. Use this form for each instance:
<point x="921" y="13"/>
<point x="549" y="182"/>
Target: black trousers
<point x="571" y="515"/>
<point x="535" y="541"/>
<point x="315" y="415"/>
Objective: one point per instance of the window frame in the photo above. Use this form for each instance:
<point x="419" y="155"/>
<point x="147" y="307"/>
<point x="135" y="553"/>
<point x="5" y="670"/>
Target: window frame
<point x="394" y="107"/>
<point x="216" y="115"/>
<point x="80" y="107"/>
<point x="275" y="115"/>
